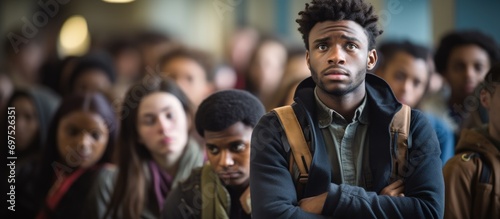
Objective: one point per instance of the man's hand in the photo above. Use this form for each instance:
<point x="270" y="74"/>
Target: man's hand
<point x="313" y="204"/>
<point x="394" y="189"/>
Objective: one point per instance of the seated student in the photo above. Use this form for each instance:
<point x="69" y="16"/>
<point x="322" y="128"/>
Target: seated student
<point x="34" y="109"/>
<point x="94" y="72"/>
<point x="155" y="153"/>
<point x="403" y="65"/>
<point x="79" y="145"/>
<point x="472" y="175"/>
<point x="192" y="70"/>
<point x="463" y="58"/>
<point x="266" y="69"/>
<point x="220" y="189"/>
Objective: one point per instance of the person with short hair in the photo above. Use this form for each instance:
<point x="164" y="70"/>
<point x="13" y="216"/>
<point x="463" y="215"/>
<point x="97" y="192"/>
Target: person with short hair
<point x="345" y="115"/>
<point x="463" y="58"/>
<point x="403" y="65"/>
<point x="220" y="189"/>
<point x="472" y="175"/>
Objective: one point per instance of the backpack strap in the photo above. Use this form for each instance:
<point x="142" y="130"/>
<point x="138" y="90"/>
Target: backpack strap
<point x="400" y="130"/>
<point x="300" y="149"/>
<point x="485" y="175"/>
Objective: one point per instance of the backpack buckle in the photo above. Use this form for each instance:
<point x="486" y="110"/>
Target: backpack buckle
<point x="303" y="178"/>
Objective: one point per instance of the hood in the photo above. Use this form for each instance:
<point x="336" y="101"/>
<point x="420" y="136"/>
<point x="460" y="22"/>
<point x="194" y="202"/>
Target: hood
<point x="378" y="91"/>
<point x="382" y="105"/>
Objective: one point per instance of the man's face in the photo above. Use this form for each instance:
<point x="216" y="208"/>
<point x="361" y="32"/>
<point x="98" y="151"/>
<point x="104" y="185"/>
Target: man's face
<point x="466" y="68"/>
<point x="338" y="56"/>
<point x="229" y="153"/>
<point x="407" y="77"/>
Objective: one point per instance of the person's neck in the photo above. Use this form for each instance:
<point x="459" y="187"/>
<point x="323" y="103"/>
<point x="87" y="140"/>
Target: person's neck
<point x="238" y="189"/>
<point x="346" y="104"/>
<point x="165" y="164"/>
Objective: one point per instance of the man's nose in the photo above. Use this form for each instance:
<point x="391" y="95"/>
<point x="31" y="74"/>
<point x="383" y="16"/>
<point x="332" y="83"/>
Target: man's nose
<point x="226" y="159"/>
<point x="336" y="55"/>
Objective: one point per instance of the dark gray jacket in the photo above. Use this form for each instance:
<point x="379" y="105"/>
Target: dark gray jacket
<point x="272" y="187"/>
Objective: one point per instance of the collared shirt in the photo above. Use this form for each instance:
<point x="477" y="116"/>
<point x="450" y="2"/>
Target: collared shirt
<point x="346" y="143"/>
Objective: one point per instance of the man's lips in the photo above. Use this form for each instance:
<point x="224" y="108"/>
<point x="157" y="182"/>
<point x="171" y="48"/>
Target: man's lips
<point x="335" y="74"/>
<point x="229" y="175"/>
<point x="335" y="71"/>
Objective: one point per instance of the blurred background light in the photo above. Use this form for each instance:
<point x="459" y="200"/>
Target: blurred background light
<point x="74" y="38"/>
<point x="118" y="1"/>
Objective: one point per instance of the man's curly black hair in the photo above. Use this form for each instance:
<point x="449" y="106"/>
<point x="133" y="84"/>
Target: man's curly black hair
<point x="461" y="38"/>
<point x="225" y="108"/>
<point x="337" y="10"/>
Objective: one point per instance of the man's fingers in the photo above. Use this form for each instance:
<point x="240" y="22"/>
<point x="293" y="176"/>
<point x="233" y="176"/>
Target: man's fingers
<point x="394" y="189"/>
<point x="396" y="184"/>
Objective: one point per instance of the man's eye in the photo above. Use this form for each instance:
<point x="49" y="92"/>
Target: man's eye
<point x="213" y="149"/>
<point x="322" y="47"/>
<point x="238" y="147"/>
<point x="351" y="46"/>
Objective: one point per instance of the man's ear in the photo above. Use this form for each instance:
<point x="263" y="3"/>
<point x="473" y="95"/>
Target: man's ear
<point x="371" y="60"/>
<point x="485" y="98"/>
<point x="307" y="59"/>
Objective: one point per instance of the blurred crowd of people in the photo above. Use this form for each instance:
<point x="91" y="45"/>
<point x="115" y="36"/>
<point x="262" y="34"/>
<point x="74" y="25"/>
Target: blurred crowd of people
<point x="98" y="122"/>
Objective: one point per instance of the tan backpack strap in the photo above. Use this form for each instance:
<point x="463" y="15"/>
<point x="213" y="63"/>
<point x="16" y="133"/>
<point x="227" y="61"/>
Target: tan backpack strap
<point x="400" y="130"/>
<point x="296" y="139"/>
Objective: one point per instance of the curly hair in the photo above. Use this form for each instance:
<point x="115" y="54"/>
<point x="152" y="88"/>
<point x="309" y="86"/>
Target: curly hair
<point x="460" y="38"/>
<point x="337" y="10"/>
<point x="225" y="108"/>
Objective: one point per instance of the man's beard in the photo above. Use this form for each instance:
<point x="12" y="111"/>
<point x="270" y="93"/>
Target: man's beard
<point x="339" y="92"/>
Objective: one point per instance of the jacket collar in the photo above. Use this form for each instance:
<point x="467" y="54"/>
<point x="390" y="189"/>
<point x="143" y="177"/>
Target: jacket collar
<point x="378" y="93"/>
<point x="382" y="106"/>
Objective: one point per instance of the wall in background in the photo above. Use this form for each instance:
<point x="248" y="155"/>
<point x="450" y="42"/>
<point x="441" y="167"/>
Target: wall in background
<point x="481" y="14"/>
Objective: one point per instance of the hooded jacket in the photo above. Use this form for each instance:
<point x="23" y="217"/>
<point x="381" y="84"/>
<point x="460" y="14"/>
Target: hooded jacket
<point x="467" y="194"/>
<point x="272" y="187"/>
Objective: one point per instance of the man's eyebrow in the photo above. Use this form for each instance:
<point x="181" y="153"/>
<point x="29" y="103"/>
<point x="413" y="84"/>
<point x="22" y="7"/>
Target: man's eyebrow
<point x="321" y="40"/>
<point x="210" y="145"/>
<point x="230" y="144"/>
<point x="350" y="38"/>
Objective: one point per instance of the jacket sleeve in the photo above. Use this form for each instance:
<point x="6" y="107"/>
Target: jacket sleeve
<point x="271" y="185"/>
<point x="176" y="206"/>
<point x="100" y="194"/>
<point x="458" y="176"/>
<point x="424" y="185"/>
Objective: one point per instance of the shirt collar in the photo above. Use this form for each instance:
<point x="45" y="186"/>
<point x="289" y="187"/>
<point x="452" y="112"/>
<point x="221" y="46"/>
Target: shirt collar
<point x="326" y="115"/>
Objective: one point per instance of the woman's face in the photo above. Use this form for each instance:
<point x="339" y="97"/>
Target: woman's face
<point x="269" y="67"/>
<point x="162" y="126"/>
<point x="82" y="138"/>
<point x="26" y="121"/>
